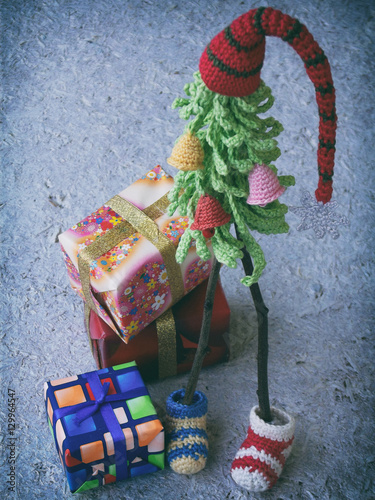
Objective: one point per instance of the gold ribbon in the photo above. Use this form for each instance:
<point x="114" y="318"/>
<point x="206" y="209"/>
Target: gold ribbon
<point x="142" y="222"/>
<point x="167" y="349"/>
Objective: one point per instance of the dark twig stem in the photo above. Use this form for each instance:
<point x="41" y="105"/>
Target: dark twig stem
<point x="204" y="334"/>
<point x="262" y="358"/>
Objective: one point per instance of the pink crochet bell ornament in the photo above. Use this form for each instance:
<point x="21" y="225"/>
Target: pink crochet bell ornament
<point x="264" y="186"/>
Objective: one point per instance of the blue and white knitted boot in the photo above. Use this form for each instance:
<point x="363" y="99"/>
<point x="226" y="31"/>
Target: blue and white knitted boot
<point x="187" y="442"/>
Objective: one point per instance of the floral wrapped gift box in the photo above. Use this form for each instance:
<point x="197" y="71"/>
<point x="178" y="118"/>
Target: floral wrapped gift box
<point x="105" y="426"/>
<point x="121" y="259"/>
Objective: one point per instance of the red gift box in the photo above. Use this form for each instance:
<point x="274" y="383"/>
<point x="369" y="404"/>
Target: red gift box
<point x="109" y="350"/>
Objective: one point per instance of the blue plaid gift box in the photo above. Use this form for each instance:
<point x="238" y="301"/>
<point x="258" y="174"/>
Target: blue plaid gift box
<point x="105" y="426"/>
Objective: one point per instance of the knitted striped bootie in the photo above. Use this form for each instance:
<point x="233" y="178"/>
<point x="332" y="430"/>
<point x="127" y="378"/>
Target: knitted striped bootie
<point x="187" y="442"/>
<point x="260" y="460"/>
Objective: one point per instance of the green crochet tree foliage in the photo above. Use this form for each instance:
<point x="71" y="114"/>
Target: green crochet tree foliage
<point x="234" y="138"/>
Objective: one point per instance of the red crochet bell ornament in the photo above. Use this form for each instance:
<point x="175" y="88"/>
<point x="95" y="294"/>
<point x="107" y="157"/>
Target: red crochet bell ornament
<point x="209" y="214"/>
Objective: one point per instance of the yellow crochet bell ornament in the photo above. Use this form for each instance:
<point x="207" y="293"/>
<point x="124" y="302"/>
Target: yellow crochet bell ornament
<point x="187" y="154"/>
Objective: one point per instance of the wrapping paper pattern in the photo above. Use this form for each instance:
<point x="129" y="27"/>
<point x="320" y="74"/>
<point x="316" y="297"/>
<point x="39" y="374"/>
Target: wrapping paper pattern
<point x="130" y="283"/>
<point x="120" y="435"/>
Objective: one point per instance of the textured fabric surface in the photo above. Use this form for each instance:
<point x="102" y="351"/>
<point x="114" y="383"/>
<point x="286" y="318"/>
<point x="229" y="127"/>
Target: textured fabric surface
<point x="87" y="89"/>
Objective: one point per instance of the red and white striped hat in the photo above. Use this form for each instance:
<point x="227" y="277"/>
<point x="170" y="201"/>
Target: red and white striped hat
<point x="232" y="61"/>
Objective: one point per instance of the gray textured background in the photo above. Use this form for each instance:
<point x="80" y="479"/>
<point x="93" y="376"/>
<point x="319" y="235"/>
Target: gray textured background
<point x="87" y="93"/>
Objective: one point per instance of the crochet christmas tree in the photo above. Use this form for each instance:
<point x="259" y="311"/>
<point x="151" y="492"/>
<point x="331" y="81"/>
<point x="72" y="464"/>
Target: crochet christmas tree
<point x="234" y="139"/>
<point x="227" y="177"/>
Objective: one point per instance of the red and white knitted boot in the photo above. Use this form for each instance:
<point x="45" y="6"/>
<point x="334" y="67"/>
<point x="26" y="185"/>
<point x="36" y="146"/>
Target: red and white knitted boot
<point x="260" y="460"/>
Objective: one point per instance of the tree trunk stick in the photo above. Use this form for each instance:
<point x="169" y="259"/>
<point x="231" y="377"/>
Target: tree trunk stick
<point x="262" y="358"/>
<point x="204" y="333"/>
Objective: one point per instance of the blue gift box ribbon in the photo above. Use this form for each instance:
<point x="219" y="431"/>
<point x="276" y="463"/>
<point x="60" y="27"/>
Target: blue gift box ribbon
<point x="102" y="403"/>
<point x="93" y="408"/>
